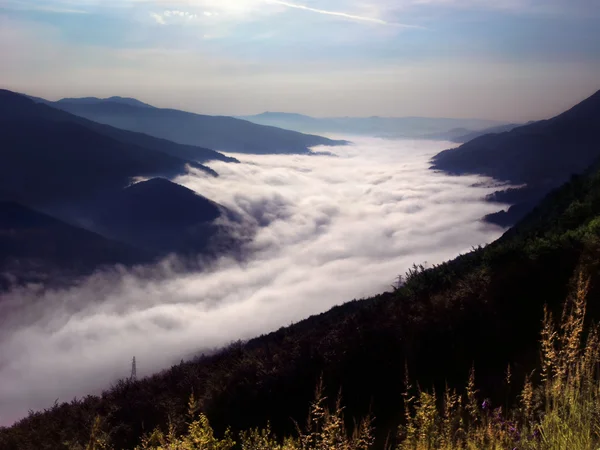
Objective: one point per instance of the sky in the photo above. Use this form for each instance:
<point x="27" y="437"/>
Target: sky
<point x="333" y="228"/>
<point x="511" y="60"/>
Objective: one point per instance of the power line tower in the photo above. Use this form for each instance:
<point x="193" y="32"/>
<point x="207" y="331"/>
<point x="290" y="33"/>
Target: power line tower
<point x="133" y="370"/>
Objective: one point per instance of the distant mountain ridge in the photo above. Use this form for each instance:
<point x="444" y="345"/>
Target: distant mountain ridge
<point x="193" y="153"/>
<point x="95" y="100"/>
<point x="50" y="157"/>
<point x="542" y="155"/>
<point x="387" y="127"/>
<point x="222" y="133"/>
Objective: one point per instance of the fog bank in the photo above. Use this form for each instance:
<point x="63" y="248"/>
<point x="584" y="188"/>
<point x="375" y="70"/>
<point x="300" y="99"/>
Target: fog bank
<point x="332" y="229"/>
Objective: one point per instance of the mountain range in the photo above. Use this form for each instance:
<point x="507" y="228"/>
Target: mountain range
<point x="222" y="133"/>
<point x="65" y="176"/>
<point x="386" y="127"/>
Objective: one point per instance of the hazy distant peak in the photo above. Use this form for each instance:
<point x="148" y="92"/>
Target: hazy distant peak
<point x="275" y="114"/>
<point x="95" y="100"/>
<point x="81" y="100"/>
<point x="129" y="101"/>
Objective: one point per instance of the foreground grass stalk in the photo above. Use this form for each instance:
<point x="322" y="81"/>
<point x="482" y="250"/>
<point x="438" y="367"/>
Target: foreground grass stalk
<point x="561" y="413"/>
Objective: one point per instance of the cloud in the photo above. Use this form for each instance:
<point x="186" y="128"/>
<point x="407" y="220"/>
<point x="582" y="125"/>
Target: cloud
<point x="249" y="10"/>
<point x="334" y="229"/>
<point x="329" y="13"/>
<point x="174" y="15"/>
<point x="158" y="18"/>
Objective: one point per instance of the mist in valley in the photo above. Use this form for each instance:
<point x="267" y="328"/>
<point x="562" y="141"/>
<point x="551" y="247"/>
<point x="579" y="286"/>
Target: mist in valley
<point x="329" y="229"/>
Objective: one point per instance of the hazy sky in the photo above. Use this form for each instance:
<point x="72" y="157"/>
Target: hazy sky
<point x="501" y="59"/>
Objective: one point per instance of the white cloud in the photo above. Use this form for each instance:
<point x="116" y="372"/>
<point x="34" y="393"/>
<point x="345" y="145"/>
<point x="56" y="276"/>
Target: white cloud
<point x="173" y="16"/>
<point x="248" y="10"/>
<point x="336" y="228"/>
<point x="158" y="18"/>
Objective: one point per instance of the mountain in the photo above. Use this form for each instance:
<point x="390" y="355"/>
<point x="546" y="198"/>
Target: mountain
<point x="35" y="247"/>
<point x="115" y="99"/>
<point x="390" y="127"/>
<point x="79" y="172"/>
<point x="51" y="162"/>
<point x="483" y="310"/>
<point x="159" y="216"/>
<point x="541" y="155"/>
<point x="217" y="132"/>
<point x="188" y="152"/>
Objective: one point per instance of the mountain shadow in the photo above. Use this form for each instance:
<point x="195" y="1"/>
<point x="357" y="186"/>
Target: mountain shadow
<point x="541" y="155"/>
<point x="37" y="248"/>
<point x="163" y="217"/>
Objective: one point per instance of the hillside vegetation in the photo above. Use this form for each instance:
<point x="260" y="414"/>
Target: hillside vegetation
<point x="483" y="309"/>
<point x="562" y="411"/>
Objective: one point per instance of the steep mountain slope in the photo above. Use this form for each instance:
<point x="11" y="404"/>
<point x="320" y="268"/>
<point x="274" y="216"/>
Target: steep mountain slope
<point x="53" y="163"/>
<point x="35" y="247"/>
<point x="160" y="216"/>
<point x="542" y="155"/>
<point x="188" y="152"/>
<point x="221" y="133"/>
<point x="392" y="127"/>
<point x="483" y="308"/>
<point x="78" y="171"/>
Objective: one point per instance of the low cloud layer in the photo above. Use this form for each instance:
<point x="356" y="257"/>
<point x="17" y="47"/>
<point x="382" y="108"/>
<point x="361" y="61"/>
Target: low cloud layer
<point x="333" y="228"/>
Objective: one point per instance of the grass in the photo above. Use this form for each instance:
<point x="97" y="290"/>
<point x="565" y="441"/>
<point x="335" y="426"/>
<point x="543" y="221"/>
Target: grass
<point x="558" y="408"/>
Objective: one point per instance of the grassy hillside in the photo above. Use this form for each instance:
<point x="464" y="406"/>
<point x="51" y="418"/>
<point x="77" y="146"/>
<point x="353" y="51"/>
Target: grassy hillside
<point x="483" y="309"/>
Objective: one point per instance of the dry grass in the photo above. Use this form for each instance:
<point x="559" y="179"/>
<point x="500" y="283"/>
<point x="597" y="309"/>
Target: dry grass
<point x="561" y="413"/>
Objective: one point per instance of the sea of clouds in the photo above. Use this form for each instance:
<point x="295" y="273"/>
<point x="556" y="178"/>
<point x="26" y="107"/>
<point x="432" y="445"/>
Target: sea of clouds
<point x="330" y="229"/>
